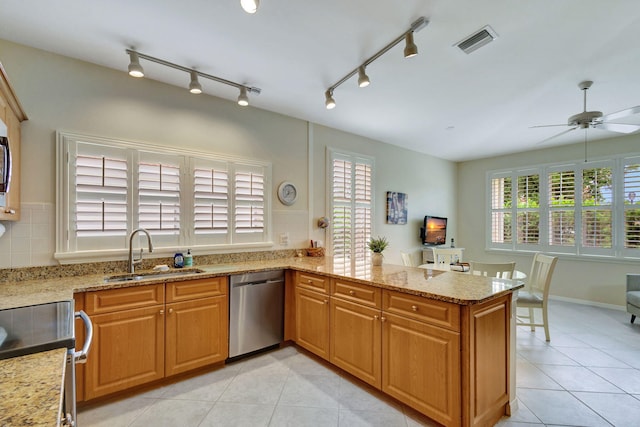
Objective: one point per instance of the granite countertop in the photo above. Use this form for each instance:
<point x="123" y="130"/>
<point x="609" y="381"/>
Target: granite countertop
<point x="463" y="289"/>
<point x="31" y="392"/>
<point x="40" y="404"/>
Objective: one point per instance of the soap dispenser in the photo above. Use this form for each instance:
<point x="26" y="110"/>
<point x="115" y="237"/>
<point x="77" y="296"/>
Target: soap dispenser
<point x="188" y="259"/>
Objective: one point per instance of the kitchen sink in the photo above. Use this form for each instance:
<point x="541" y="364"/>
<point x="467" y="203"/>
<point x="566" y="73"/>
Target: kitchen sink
<point x="150" y="275"/>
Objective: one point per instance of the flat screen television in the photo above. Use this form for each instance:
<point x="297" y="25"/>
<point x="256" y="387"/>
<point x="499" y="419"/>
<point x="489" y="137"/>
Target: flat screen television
<point x="434" y="231"/>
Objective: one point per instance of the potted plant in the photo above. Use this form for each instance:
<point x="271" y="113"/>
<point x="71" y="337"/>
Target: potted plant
<point x="377" y="245"/>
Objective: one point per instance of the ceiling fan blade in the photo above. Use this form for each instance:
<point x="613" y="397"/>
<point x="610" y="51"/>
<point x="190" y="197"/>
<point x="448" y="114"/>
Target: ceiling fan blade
<point x="618" y="127"/>
<point x="547" y="126"/>
<point x="557" y="135"/>
<point x="620" y="114"/>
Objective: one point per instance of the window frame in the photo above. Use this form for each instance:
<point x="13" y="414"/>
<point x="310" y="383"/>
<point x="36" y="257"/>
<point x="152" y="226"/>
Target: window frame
<point x="66" y="249"/>
<point x="618" y="251"/>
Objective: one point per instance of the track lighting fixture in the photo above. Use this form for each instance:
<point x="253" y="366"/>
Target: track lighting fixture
<point x="250" y="6"/>
<point x="363" y="80"/>
<point x="135" y="70"/>
<point x="243" y="101"/>
<point x="410" y="48"/>
<point x="195" y="86"/>
<point x="329" y="102"/>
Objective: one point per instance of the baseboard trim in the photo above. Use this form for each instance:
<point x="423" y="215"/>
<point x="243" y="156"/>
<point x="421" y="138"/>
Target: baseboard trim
<point x="587" y="302"/>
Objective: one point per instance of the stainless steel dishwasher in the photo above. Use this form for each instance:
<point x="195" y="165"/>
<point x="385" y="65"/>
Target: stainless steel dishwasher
<point x="256" y="311"/>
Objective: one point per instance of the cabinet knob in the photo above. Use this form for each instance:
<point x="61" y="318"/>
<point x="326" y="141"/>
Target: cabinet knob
<point x="352" y="293"/>
<point x="170" y="310"/>
<point x="414" y="307"/>
<point x="10" y="211"/>
<point x="161" y="312"/>
<point x="383" y="319"/>
<point x="310" y="281"/>
<point x="375" y="317"/>
<point x="326" y="301"/>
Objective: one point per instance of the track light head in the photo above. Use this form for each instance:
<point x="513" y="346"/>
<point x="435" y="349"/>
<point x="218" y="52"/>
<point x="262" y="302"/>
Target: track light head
<point x="329" y="102"/>
<point x="195" y="86"/>
<point x="250" y="6"/>
<point x="135" y="69"/>
<point x="410" y="48"/>
<point x="363" y="79"/>
<point x="243" y="100"/>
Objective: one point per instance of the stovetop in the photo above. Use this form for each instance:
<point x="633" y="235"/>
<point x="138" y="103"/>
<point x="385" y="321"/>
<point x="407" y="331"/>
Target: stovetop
<point x="36" y="328"/>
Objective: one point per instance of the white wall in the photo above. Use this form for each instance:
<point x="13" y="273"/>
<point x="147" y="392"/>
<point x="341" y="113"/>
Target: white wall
<point x="598" y="281"/>
<point x="59" y="93"/>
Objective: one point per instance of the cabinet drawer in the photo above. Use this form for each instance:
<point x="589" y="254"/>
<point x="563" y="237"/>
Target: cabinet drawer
<point x="124" y="298"/>
<point x="435" y="312"/>
<point x="199" y="288"/>
<point x="356" y="292"/>
<point x="312" y="282"/>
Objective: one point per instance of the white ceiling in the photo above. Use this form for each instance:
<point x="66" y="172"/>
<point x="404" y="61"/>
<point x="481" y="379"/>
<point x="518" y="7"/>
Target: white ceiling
<point x="442" y="102"/>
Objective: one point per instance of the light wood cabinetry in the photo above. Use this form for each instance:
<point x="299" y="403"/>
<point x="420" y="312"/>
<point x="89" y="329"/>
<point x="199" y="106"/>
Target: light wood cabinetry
<point x="128" y="339"/>
<point x="356" y="340"/>
<point x="11" y="114"/>
<point x="197" y="332"/>
<point x="142" y="334"/>
<point x="421" y="367"/>
<point x="446" y="360"/>
<point x="312" y="313"/>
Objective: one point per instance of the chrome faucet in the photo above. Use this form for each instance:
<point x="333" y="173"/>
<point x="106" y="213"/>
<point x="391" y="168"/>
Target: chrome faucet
<point x="133" y="262"/>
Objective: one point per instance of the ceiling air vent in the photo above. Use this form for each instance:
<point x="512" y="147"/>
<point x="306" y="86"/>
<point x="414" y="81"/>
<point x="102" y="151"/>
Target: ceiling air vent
<point x="477" y="40"/>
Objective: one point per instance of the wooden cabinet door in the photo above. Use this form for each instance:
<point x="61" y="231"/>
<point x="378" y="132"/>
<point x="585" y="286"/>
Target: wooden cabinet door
<point x="312" y="321"/>
<point x="421" y="367"/>
<point x="356" y="340"/>
<point x="197" y="333"/>
<point x="127" y="350"/>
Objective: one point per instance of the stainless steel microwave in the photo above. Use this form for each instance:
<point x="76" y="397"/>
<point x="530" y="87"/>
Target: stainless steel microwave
<point x="5" y="159"/>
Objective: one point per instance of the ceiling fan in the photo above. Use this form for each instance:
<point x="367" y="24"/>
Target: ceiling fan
<point x="595" y="119"/>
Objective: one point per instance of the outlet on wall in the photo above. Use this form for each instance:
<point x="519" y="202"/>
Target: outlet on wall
<point x="284" y="239"/>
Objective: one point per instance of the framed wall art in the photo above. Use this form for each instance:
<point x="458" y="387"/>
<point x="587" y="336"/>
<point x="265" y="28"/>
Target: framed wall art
<point x="396" y="207"/>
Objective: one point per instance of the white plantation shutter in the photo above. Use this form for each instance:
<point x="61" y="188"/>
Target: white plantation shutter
<point x="632" y="205"/>
<point x="351" y="206"/>
<point x="597" y="210"/>
<point x="528" y="212"/>
<point x="159" y="197"/>
<point x="211" y="202"/>
<point x="249" y="209"/>
<point x="501" y="207"/>
<point x="562" y="203"/>
<point x="98" y="198"/>
<point x="184" y="199"/>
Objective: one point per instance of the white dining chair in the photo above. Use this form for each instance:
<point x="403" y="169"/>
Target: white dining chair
<point x="407" y="259"/>
<point x="535" y="294"/>
<point x="447" y="255"/>
<point x="503" y="270"/>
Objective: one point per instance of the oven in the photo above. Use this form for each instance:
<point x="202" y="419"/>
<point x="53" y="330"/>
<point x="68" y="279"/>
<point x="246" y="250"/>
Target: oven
<point x="44" y="327"/>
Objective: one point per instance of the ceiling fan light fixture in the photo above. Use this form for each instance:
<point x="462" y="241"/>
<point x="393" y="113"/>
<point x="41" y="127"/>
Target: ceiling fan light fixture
<point x="329" y="102"/>
<point x="250" y="6"/>
<point x="195" y="87"/>
<point x="135" y="69"/>
<point x="410" y="48"/>
<point x="363" y="79"/>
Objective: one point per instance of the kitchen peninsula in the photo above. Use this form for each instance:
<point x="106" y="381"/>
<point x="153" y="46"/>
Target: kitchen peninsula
<point x="455" y="327"/>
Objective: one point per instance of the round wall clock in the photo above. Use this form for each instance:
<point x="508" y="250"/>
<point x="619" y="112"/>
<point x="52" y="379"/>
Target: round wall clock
<point x="287" y="193"/>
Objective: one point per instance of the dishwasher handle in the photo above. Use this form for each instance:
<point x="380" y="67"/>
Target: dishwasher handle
<point x="261" y="282"/>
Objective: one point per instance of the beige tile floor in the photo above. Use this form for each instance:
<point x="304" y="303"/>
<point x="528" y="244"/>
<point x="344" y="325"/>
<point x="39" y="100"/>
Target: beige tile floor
<point x="588" y="375"/>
